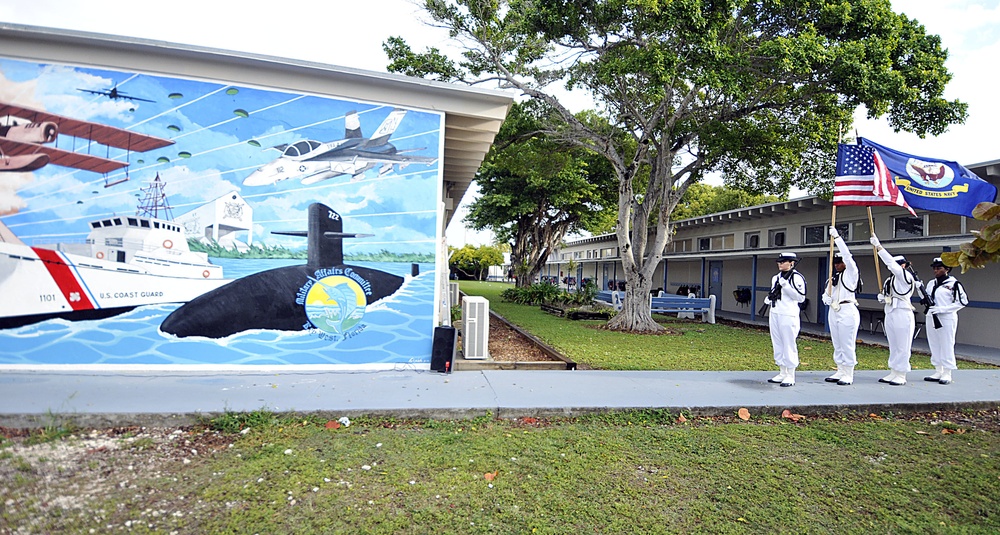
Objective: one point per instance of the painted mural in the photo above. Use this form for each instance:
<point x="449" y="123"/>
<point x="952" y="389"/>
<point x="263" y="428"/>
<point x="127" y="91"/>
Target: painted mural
<point x="151" y="220"/>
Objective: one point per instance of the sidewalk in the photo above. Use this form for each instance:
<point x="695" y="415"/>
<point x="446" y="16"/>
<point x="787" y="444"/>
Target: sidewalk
<point x="95" y="399"/>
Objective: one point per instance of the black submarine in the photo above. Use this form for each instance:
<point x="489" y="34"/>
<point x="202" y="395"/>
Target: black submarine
<point x="269" y="299"/>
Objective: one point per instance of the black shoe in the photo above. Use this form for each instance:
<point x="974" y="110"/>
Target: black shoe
<point x="932" y="379"/>
<point x="831" y="379"/>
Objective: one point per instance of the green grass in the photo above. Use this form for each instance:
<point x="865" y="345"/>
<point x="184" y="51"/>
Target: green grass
<point x="688" y="345"/>
<point x="615" y="473"/>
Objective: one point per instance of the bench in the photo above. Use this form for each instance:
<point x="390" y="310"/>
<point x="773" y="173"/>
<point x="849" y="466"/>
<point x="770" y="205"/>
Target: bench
<point x="610" y="298"/>
<point x="705" y="306"/>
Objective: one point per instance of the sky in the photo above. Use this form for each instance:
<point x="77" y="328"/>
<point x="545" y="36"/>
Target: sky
<point x="351" y="33"/>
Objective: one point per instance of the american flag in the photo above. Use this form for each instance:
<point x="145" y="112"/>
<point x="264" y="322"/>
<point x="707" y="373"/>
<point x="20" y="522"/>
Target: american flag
<point x="864" y="180"/>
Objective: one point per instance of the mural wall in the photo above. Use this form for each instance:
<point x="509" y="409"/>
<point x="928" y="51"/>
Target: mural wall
<point x="150" y="220"/>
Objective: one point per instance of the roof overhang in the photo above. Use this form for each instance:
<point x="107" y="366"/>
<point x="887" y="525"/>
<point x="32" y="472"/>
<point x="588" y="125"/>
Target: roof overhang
<point x="472" y="115"/>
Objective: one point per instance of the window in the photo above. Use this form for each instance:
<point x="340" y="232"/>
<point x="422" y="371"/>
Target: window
<point x="907" y="227"/>
<point x="776" y="238"/>
<point x="722" y="242"/>
<point x="608" y="253"/>
<point x="704" y="244"/>
<point x="681" y="246"/>
<point x="939" y="224"/>
<point x="751" y="240"/>
<point x="821" y="234"/>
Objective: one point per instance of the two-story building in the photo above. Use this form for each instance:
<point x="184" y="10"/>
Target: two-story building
<point x="732" y="255"/>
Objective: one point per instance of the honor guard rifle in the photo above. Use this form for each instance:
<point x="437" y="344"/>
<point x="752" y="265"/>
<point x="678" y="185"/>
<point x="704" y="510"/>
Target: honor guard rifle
<point x="925" y="298"/>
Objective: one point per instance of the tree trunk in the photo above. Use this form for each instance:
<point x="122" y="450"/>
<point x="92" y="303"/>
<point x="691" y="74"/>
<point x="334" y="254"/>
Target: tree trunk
<point x="635" y="315"/>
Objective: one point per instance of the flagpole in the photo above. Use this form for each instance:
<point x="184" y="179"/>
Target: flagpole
<point x="871" y="228"/>
<point x="833" y="223"/>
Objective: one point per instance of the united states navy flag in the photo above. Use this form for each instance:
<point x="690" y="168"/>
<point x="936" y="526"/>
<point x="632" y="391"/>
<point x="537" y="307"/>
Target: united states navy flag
<point x="934" y="184"/>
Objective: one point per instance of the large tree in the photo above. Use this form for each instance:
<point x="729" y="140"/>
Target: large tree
<point x="757" y="90"/>
<point x="533" y="191"/>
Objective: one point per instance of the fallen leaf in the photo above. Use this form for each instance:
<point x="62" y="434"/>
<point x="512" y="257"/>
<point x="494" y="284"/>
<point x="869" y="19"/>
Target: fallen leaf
<point x="681" y="419"/>
<point x="333" y="424"/>
<point x="947" y="431"/>
<point x="744" y="414"/>
<point x="791" y="416"/>
<point x="491" y="475"/>
<point x="529" y="420"/>
<point x="922" y="433"/>
<point x="873" y="415"/>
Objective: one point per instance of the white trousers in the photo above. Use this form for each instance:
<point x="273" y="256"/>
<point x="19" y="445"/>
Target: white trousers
<point x="899" y="331"/>
<point x="844" y="333"/>
<point x="784" y="331"/>
<point x="942" y="341"/>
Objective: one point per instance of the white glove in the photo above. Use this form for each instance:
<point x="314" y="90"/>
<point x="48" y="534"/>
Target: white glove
<point x="833" y="232"/>
<point x="881" y="298"/>
<point x="931" y="311"/>
<point x="874" y="241"/>
<point x="827" y="299"/>
<point x="767" y="301"/>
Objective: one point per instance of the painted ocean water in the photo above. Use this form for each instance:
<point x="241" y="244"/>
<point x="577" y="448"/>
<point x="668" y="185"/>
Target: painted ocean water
<point x="397" y="330"/>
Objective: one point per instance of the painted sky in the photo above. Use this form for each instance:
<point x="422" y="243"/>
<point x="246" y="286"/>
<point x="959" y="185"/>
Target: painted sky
<point x="221" y="134"/>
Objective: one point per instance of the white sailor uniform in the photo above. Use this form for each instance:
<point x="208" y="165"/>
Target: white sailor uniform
<point x="899" y="324"/>
<point x="948" y="296"/>
<point x="842" y="316"/>
<point x="784" y="323"/>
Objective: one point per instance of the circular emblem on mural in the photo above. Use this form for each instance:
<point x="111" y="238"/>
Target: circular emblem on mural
<point x="335" y="304"/>
<point x="929" y="174"/>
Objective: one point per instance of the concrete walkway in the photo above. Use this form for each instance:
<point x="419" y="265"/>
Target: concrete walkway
<point x="94" y="399"/>
<point x="99" y="399"/>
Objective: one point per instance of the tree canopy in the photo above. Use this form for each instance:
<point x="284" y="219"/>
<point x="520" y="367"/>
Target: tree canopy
<point x="533" y="191"/>
<point x="474" y="262"/>
<point x="759" y="91"/>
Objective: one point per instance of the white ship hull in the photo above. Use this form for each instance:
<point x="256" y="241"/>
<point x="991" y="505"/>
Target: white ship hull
<point x="35" y="280"/>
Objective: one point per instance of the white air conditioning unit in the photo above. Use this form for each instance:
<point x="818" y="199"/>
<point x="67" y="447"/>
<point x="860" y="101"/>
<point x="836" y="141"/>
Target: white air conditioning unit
<point x="475" y="327"/>
<point x="454" y="293"/>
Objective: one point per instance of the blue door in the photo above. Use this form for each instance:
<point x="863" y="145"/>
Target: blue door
<point x="715" y="281"/>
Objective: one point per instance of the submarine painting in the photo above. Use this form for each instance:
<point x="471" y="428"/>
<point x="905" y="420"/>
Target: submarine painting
<point x="205" y="225"/>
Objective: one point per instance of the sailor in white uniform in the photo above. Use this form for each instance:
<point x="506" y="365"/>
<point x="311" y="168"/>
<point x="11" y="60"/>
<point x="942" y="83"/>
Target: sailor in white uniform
<point x="788" y="289"/>
<point x="843" y="316"/>
<point x="947" y="296"/>
<point x="899" y="324"/>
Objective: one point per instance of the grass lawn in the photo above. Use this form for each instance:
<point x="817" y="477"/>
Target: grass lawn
<point x="640" y="472"/>
<point x="688" y="345"/>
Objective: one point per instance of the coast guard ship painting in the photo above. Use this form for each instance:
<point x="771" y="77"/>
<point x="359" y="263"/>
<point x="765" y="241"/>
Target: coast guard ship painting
<point x="126" y="261"/>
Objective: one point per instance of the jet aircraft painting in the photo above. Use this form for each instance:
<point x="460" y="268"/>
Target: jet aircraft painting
<point x="25" y="134"/>
<point x="313" y="161"/>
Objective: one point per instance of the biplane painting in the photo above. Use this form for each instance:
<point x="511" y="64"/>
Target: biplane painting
<point x="152" y="220"/>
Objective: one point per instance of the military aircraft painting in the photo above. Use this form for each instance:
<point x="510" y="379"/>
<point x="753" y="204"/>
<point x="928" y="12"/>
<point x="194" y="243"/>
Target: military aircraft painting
<point x="115" y="94"/>
<point x="25" y="134"/>
<point x="313" y="161"/>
